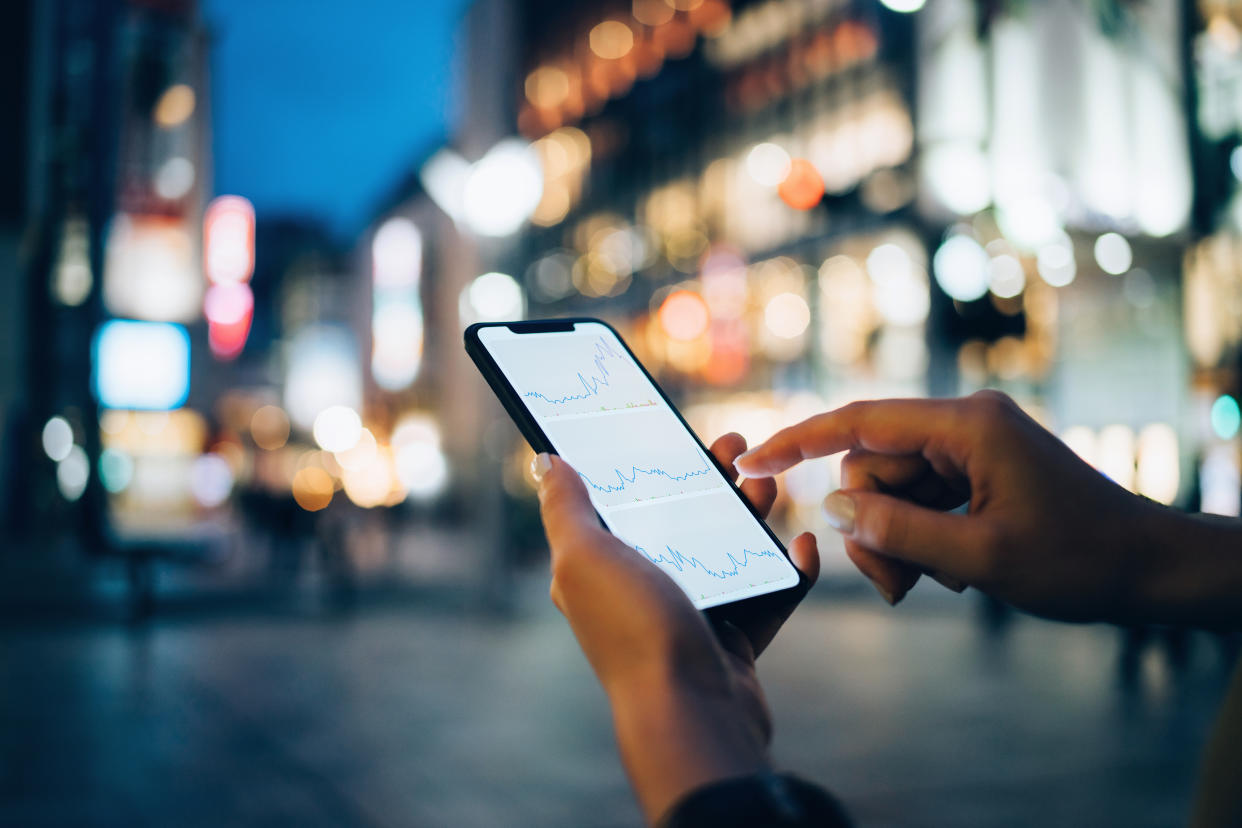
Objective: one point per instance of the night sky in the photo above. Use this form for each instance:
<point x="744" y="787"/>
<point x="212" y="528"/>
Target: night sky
<point x="321" y="105"/>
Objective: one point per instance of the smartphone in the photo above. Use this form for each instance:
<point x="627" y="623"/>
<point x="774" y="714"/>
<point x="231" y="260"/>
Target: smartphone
<point x="575" y="389"/>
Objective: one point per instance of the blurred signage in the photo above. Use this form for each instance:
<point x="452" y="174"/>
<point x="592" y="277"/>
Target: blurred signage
<point x="228" y="262"/>
<point x="149" y="269"/>
<point x="141" y="365"/>
<point x="397" y="313"/>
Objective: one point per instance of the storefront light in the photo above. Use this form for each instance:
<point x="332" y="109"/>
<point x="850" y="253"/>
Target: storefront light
<point x="141" y="365"/>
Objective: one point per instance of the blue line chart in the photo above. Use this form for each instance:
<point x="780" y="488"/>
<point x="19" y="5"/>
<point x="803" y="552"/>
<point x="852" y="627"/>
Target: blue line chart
<point x="624" y="480"/>
<point x="590" y="383"/>
<point x="681" y="562"/>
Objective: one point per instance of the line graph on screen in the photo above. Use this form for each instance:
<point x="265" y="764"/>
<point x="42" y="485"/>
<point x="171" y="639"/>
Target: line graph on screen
<point x="644" y="455"/>
<point x="730" y="567"/>
<point x="710" y="545"/>
<point x="565" y="376"/>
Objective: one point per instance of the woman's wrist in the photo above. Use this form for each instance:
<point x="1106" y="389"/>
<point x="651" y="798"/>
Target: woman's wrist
<point x="675" y="736"/>
<point x="1188" y="570"/>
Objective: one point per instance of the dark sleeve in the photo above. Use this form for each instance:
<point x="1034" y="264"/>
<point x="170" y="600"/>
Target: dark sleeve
<point x="768" y="799"/>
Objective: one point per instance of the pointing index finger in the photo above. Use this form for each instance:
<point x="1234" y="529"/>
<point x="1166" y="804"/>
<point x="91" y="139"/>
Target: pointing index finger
<point x="883" y="426"/>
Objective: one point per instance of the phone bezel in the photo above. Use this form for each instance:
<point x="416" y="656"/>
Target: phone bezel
<point x="529" y="428"/>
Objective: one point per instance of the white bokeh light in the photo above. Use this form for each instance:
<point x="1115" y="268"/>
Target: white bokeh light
<point x="503" y="189"/>
<point x="1006" y="277"/>
<point x="492" y="297"/>
<point x="768" y="164"/>
<point x="57" y="438"/>
<point x="337" y="428"/>
<point x="961" y="268"/>
<point x="1113" y="254"/>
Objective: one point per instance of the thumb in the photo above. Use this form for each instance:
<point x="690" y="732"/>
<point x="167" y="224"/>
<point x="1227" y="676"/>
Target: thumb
<point x="567" y="512"/>
<point x="947" y="543"/>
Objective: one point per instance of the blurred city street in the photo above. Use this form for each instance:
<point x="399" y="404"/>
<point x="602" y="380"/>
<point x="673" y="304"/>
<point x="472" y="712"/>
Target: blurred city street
<point x="270" y="546"/>
<point x="921" y="715"/>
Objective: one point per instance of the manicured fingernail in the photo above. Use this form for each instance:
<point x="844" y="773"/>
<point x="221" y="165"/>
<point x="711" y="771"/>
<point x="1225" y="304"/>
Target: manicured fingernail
<point x="949" y="582"/>
<point x="540" y="465"/>
<point x="884" y="593"/>
<point x="741" y="459"/>
<point x="839" y="509"/>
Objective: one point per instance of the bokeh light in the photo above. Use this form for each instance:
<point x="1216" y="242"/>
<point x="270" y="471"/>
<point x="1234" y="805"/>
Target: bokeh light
<point x="502" y="189"/>
<point x="73" y="473"/>
<point x="175" y="106"/>
<point x="904" y="6"/>
<point x="1006" y="276"/>
<point x="492" y="297"/>
<point x="547" y="86"/>
<point x="57" y="438"/>
<point x="787" y="315"/>
<point x="1113" y="254"/>
<point x="116" y="470"/>
<point x="611" y="39"/>
<point x="802" y="187"/>
<point x="1158" y="475"/>
<point x="684" y="315"/>
<point x="961" y="268"/>
<point x="768" y="164"/>
<point x="174" y="178"/>
<point x="312" y="488"/>
<point x="899" y="288"/>
<point x="1226" y="417"/>
<point x="1055" y="261"/>
<point x="269" y="427"/>
<point x="337" y="428"/>
<point x="141" y="365"/>
<point x="211" y="480"/>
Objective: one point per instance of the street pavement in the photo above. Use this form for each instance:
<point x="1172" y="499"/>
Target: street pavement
<point x="413" y="713"/>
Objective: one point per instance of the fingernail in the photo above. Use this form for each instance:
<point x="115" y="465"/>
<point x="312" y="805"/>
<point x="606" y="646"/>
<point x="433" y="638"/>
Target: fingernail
<point x="884" y="593"/>
<point x="839" y="509"/>
<point x="949" y="582"/>
<point x="740" y="459"/>
<point x="540" y="465"/>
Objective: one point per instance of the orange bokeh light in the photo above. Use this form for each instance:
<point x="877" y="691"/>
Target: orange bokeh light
<point x="312" y="488"/>
<point x="684" y="315"/>
<point x="803" y="187"/>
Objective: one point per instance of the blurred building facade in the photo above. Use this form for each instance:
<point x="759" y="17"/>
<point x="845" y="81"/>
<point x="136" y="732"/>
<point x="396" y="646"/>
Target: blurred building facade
<point x="783" y="206"/>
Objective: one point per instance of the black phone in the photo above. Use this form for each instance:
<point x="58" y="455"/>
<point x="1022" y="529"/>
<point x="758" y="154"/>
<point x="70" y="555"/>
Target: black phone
<point x="575" y="389"/>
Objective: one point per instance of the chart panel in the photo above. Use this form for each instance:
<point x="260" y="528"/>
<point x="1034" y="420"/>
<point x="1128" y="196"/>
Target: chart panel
<point x="644" y="455"/>
<point x="559" y="376"/>
<point x="710" y="545"/>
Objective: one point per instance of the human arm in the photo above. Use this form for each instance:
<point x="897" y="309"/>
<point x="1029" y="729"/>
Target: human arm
<point x="1044" y="531"/>
<point x="687" y="706"/>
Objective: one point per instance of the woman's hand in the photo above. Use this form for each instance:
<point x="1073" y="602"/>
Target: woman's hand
<point x="686" y="702"/>
<point x="1045" y="531"/>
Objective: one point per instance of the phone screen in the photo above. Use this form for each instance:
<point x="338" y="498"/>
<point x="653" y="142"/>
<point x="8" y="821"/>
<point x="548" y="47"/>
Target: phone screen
<point x="649" y="478"/>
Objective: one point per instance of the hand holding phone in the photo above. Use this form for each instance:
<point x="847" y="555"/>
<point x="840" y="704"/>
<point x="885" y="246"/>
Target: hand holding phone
<point x="576" y="390"/>
<point x="686" y="701"/>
